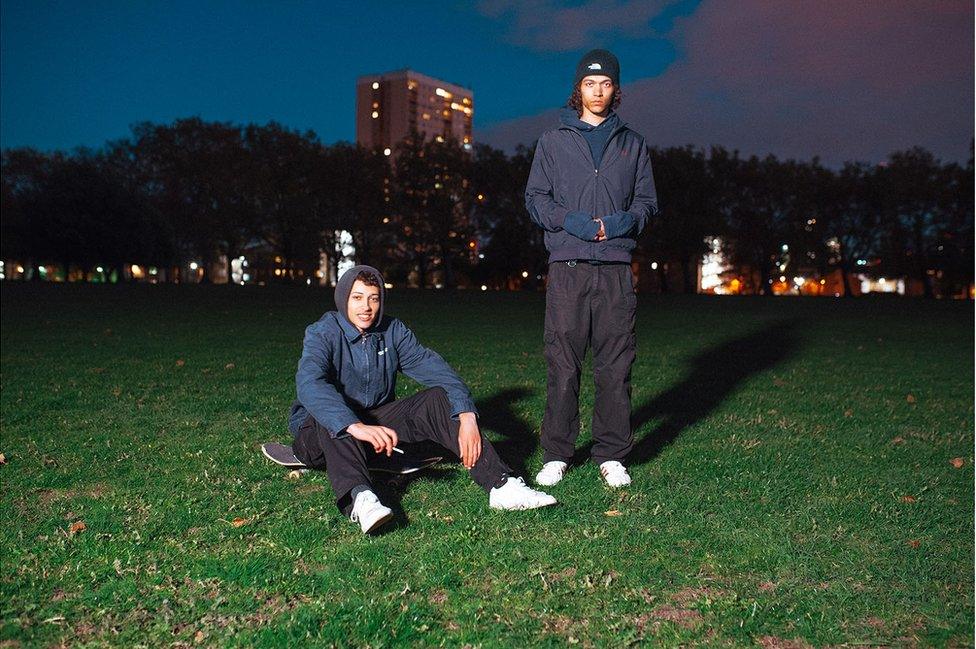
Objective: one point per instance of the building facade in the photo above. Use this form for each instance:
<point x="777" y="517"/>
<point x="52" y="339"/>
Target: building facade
<point x="391" y="105"/>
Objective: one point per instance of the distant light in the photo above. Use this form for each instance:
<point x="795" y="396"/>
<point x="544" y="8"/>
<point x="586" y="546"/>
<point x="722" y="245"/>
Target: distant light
<point x="136" y="270"/>
<point x="376" y="114"/>
<point x="386" y="219"/>
<point x="308" y="282"/>
<point x="484" y="288"/>
<point x="153" y="271"/>
<point x="799" y="281"/>
<point x="277" y="272"/>
<point x="822" y="282"/>
<point x="193" y="265"/>
<point x="439" y="138"/>
<point x="786" y="248"/>
<point x="438" y="286"/>
<point x="245" y="277"/>
<point x="881" y="281"/>
<point x="387" y="151"/>
<point x="481" y="197"/>
<point x="20" y="269"/>
<point x="481" y="255"/>
<point x="387" y="285"/>
<point x="443" y="93"/>
<point x="525" y="273"/>
<point x="782" y="278"/>
<point x="538" y="276"/>
<point x="653" y="265"/>
<point x="99" y="269"/>
<point x="467" y="147"/>
<point x="376" y="85"/>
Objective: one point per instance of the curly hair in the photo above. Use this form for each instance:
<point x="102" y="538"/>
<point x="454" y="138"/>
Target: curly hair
<point x="367" y="278"/>
<point x="575" y="100"/>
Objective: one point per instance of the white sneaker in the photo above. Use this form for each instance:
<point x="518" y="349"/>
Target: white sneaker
<point x="515" y="495"/>
<point x="369" y="512"/>
<point x="615" y="474"/>
<point x="551" y="473"/>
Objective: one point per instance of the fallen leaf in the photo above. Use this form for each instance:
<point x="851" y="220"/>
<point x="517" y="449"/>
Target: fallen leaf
<point x="898" y="440"/>
<point x="612" y="512"/>
<point x="957" y="462"/>
<point x="116" y="391"/>
<point x="779" y="382"/>
<point x="77" y="527"/>
<point x="239" y="522"/>
<point x="3" y="458"/>
<point x="229" y="366"/>
<point x="199" y="637"/>
<point x="293" y="475"/>
<point x="848" y="413"/>
<point x="914" y="543"/>
<point x="908" y="499"/>
<point x="910" y="398"/>
<point x="180" y="362"/>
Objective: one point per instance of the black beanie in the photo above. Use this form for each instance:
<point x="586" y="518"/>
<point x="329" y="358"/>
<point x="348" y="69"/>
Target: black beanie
<point x="598" y="62"/>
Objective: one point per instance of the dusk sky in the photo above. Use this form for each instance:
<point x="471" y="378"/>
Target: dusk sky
<point x="839" y="79"/>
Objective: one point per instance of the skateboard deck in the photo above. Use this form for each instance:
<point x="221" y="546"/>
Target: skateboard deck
<point x="284" y="455"/>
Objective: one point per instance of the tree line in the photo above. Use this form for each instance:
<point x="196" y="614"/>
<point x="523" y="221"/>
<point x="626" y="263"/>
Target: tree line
<point x="433" y="213"/>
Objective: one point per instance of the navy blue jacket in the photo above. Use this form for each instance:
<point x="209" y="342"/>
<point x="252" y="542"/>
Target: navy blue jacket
<point x="343" y="371"/>
<point x="565" y="192"/>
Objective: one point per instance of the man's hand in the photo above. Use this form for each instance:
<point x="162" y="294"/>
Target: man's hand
<point x="381" y="437"/>
<point x="469" y="439"/>
<point x="601" y="235"/>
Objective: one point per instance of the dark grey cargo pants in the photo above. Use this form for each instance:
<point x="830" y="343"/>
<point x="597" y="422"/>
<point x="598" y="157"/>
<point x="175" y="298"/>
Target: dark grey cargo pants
<point x="589" y="305"/>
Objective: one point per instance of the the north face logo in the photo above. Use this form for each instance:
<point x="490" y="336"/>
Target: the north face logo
<point x="594" y="66"/>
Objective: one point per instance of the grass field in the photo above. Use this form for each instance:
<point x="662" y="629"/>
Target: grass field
<point x="804" y="475"/>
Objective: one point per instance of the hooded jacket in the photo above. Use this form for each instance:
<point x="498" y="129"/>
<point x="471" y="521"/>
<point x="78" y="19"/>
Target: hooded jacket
<point x="343" y="371"/>
<point x="566" y="191"/>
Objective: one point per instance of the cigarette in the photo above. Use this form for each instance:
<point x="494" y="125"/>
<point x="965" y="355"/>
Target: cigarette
<point x="398" y="450"/>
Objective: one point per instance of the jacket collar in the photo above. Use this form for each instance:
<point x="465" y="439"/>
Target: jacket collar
<point x="570" y="121"/>
<point x="349" y="330"/>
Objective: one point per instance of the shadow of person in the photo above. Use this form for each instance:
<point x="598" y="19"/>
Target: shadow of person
<point x="713" y="375"/>
<point x="498" y="414"/>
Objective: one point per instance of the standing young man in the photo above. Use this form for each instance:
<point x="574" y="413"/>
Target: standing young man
<point x="346" y="407"/>
<point x="591" y="189"/>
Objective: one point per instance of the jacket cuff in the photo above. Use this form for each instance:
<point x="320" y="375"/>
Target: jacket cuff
<point x="581" y="225"/>
<point x="340" y="426"/>
<point x="464" y="406"/>
<point x="618" y="224"/>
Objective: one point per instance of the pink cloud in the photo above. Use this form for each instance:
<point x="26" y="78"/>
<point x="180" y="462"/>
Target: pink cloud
<point x="843" y="80"/>
<point x="544" y="25"/>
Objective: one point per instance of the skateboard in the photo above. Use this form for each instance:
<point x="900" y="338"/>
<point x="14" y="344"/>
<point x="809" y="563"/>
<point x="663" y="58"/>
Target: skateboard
<point x="397" y="464"/>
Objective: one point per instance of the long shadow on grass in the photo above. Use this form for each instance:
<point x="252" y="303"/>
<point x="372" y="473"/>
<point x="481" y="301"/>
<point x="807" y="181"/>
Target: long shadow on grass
<point x="714" y="374"/>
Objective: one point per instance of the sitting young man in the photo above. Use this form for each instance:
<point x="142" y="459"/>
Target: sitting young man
<point x="346" y="385"/>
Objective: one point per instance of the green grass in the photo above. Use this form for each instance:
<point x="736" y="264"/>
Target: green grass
<point x="793" y="480"/>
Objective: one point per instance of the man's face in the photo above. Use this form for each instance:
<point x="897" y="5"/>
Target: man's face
<point x="597" y="93"/>
<point x="363" y="305"/>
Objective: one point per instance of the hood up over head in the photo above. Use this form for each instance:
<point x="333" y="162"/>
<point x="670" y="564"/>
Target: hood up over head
<point x="344" y="288"/>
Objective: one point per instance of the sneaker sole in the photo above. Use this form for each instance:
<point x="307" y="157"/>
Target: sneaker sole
<point x="378" y="523"/>
<point x="521" y="509"/>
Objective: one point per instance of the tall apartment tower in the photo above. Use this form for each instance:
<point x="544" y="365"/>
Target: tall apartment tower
<point x="390" y="105"/>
